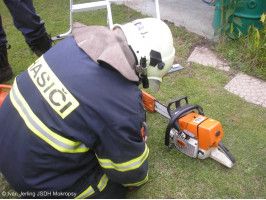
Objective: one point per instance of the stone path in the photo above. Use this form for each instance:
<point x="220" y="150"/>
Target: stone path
<point x="251" y="89"/>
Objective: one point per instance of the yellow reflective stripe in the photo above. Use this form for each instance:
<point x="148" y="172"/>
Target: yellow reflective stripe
<point x="126" y="166"/>
<point x="138" y="183"/>
<point x="88" y="192"/>
<point x="103" y="182"/>
<point x="40" y="129"/>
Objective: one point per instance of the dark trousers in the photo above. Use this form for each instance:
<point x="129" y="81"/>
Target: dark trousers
<point x="25" y="20"/>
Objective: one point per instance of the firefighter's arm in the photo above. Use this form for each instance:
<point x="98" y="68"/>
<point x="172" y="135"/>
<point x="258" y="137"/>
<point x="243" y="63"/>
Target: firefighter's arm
<point x="123" y="154"/>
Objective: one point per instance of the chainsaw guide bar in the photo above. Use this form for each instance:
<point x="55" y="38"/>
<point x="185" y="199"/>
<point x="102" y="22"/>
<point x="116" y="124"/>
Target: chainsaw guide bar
<point x="161" y="109"/>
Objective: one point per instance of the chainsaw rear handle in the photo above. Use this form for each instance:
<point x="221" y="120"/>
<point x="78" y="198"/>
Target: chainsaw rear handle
<point x="177" y="114"/>
<point x="144" y="131"/>
<point x="9" y="87"/>
<point x="3" y="94"/>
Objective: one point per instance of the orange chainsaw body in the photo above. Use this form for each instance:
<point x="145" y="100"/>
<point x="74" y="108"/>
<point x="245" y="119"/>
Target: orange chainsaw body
<point x="206" y="130"/>
<point x="3" y="93"/>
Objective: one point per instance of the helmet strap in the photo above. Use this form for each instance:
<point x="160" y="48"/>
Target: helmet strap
<point x="141" y="69"/>
<point x="142" y="72"/>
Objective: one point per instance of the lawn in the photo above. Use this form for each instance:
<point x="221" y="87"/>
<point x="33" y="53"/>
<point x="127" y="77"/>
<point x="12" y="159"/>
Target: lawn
<point x="171" y="173"/>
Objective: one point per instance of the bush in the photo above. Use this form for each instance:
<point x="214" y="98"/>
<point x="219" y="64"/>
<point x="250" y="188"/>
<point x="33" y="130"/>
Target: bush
<point x="248" y="53"/>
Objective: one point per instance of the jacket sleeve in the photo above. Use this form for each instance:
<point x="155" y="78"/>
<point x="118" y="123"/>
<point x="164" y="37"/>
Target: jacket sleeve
<point x="122" y="153"/>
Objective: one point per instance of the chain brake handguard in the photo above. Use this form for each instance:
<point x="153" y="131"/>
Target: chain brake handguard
<point x="177" y="113"/>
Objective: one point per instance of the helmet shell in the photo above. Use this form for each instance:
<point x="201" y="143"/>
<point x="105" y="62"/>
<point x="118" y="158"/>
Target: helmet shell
<point x="151" y="38"/>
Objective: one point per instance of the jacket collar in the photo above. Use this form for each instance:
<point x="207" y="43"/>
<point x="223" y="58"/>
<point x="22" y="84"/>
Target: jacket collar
<point x="110" y="46"/>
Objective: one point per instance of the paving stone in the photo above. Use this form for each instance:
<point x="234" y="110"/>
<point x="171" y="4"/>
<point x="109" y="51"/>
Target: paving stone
<point x="227" y="69"/>
<point x="251" y="89"/>
<point x="206" y="57"/>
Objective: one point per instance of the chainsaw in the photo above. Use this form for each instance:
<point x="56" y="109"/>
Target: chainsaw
<point x="190" y="132"/>
<point x="4" y="93"/>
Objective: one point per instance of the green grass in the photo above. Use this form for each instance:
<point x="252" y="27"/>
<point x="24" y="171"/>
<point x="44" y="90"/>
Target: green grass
<point x="171" y="173"/>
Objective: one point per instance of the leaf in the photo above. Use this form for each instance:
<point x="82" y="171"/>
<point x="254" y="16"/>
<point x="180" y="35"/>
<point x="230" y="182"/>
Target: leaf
<point x="237" y="21"/>
<point x="257" y="34"/>
<point x="226" y="27"/>
<point x="231" y="35"/>
<point x="231" y="28"/>
<point x="214" y="3"/>
<point x="263" y="16"/>
<point x="229" y="13"/>
<point x="239" y="32"/>
<point x="249" y="28"/>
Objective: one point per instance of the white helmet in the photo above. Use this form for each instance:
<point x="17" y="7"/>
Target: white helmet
<point x="152" y="43"/>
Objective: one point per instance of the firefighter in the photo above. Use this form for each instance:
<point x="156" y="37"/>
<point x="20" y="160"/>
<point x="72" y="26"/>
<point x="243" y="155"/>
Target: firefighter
<point x="71" y="125"/>
<point x="29" y="23"/>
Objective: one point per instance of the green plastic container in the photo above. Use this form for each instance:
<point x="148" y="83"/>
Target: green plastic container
<point x="217" y="15"/>
<point x="250" y="13"/>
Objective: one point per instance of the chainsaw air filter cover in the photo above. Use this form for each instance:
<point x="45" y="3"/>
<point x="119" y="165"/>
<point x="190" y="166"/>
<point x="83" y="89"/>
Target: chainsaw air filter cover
<point x="207" y="131"/>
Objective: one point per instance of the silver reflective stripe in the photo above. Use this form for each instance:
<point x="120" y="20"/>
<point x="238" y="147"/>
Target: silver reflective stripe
<point x="103" y="182"/>
<point x="138" y="183"/>
<point x="37" y="127"/>
<point x="88" y="192"/>
<point x="126" y="166"/>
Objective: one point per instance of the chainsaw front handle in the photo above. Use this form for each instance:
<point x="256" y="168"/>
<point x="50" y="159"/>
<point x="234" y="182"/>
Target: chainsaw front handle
<point x="179" y="108"/>
<point x="176" y="115"/>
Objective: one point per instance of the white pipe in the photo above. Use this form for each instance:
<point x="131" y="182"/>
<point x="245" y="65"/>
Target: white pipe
<point x="109" y="14"/>
<point x="157" y="9"/>
<point x="70" y="21"/>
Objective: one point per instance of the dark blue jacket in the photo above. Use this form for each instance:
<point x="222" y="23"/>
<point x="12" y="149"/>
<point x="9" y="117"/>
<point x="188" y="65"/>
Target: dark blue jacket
<point x="71" y="125"/>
